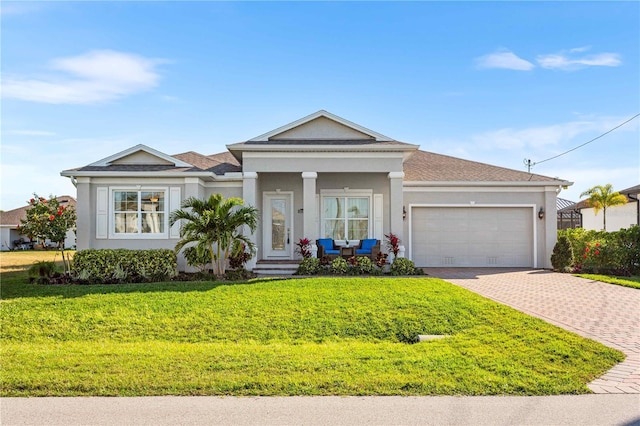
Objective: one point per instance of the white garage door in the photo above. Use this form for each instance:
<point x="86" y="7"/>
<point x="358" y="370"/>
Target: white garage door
<point x="472" y="236"/>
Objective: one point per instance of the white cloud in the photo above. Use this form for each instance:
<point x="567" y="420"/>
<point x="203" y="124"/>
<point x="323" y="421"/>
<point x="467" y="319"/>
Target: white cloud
<point x="568" y="61"/>
<point x="504" y="59"/>
<point x="31" y="133"/>
<point x="555" y="134"/>
<point x="94" y="77"/>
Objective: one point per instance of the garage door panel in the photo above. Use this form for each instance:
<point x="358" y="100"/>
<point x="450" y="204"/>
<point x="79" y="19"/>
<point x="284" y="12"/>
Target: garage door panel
<point x="472" y="236"/>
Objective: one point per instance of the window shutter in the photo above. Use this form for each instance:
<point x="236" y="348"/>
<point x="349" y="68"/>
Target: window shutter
<point x="174" y="204"/>
<point x="378" y="207"/>
<point x="319" y="217"/>
<point x="102" y="213"/>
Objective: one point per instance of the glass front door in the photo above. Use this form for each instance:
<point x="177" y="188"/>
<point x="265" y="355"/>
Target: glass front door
<point x="277" y="223"/>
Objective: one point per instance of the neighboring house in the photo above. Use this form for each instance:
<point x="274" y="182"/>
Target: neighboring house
<point x="618" y="217"/>
<point x="568" y="216"/>
<point x="10" y="237"/>
<point x="324" y="176"/>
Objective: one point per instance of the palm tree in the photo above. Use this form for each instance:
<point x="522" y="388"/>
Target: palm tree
<point x="601" y="197"/>
<point x="215" y="224"/>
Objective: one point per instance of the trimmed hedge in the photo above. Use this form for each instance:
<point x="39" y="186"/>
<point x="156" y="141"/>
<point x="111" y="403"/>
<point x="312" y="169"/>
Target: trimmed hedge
<point x="107" y="266"/>
<point x="601" y="252"/>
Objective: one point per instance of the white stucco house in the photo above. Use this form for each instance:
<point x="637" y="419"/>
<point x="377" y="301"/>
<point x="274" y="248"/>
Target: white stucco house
<point x="324" y="176"/>
<point x="618" y="217"/>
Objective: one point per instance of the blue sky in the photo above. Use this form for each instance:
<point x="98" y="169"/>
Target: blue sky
<point x="495" y="82"/>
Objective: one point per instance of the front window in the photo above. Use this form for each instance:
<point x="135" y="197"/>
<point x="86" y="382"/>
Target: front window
<point x="139" y="212"/>
<point x="346" y="217"/>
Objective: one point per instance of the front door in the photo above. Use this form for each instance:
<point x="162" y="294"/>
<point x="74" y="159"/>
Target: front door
<point x="277" y="226"/>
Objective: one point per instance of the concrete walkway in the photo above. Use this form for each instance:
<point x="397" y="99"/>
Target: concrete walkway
<point x="607" y="313"/>
<point x="566" y="410"/>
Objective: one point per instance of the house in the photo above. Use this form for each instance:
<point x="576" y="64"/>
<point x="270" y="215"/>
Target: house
<point x="10" y="236"/>
<point x="618" y="217"/>
<point x="568" y="216"/>
<point x="324" y="176"/>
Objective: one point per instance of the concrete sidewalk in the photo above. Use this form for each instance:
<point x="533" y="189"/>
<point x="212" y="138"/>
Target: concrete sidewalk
<point x="583" y="410"/>
<point x="607" y="313"/>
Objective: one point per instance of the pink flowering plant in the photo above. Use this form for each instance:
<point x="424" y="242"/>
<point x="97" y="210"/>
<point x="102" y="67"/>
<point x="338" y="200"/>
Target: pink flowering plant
<point x="597" y="257"/>
<point x="393" y="243"/>
<point x="304" y="248"/>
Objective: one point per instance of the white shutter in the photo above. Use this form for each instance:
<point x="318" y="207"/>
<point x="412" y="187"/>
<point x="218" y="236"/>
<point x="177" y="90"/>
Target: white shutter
<point x="378" y="207"/>
<point x="174" y="204"/>
<point x="102" y="212"/>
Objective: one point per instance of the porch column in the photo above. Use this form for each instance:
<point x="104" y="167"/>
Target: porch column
<point x="249" y="190"/>
<point x="395" y="207"/>
<point x="310" y="226"/>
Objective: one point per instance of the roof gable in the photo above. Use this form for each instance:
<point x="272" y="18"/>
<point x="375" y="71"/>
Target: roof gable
<point x="140" y="155"/>
<point x="321" y="125"/>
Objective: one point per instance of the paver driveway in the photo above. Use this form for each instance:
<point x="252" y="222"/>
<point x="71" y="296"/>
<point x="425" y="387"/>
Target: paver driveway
<point x="607" y="313"/>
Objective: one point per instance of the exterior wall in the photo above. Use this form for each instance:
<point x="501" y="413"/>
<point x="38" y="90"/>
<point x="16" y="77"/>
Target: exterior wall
<point x="322" y="128"/>
<point x="545" y="229"/>
<point x="618" y="217"/>
<point x="322" y="162"/>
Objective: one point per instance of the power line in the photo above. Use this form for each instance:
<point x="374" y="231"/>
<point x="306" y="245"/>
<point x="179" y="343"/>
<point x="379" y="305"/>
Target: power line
<point x="530" y="164"/>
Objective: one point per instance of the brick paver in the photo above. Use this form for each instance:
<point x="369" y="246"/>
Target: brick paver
<point x="607" y="313"/>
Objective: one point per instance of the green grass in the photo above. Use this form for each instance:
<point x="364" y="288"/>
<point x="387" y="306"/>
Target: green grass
<point x="319" y="336"/>
<point x="633" y="282"/>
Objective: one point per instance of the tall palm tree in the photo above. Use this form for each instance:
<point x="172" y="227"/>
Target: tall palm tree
<point x="214" y="224"/>
<point x="601" y="197"/>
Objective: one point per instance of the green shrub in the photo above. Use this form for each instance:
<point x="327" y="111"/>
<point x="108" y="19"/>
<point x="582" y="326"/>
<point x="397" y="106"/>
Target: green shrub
<point x="562" y="256"/>
<point x="614" y="253"/>
<point x="629" y="257"/>
<point x="404" y="266"/>
<point x="42" y="272"/>
<point x="364" y="266"/>
<point x="339" y="266"/>
<point x="309" y="266"/>
<point x="120" y="265"/>
<point x="197" y="256"/>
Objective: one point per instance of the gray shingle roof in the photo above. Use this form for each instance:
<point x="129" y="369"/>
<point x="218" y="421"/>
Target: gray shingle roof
<point x="430" y="167"/>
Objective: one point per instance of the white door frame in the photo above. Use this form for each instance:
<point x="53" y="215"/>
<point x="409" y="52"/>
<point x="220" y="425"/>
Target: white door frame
<point x="267" y="249"/>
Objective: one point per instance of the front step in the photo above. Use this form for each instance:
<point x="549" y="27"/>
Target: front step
<point x="276" y="267"/>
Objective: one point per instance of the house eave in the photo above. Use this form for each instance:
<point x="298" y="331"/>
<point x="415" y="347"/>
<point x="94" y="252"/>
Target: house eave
<point x="486" y="183"/>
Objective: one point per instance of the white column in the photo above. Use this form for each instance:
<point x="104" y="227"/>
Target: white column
<point x="395" y="206"/>
<point x="249" y="195"/>
<point x="310" y="227"/>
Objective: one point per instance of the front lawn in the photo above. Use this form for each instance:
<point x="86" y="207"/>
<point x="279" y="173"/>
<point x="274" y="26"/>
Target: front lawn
<point x="633" y="282"/>
<point x="316" y="336"/>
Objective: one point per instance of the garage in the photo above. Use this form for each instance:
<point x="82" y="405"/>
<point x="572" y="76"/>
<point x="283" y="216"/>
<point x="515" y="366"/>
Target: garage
<point x="472" y="236"/>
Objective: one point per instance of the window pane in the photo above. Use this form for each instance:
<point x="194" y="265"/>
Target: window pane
<point x="126" y="223"/>
<point x="358" y="229"/>
<point x="334" y="229"/>
<point x="358" y="208"/>
<point x="333" y="208"/>
<point x="278" y="212"/>
<point x="152" y="223"/>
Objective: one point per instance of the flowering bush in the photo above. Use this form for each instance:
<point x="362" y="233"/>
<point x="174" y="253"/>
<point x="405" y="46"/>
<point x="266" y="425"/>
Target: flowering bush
<point x="304" y="248"/>
<point x="48" y="220"/>
<point x="616" y="253"/>
<point x="393" y="243"/>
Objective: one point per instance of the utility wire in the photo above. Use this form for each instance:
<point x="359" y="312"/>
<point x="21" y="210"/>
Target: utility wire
<point x="530" y="164"/>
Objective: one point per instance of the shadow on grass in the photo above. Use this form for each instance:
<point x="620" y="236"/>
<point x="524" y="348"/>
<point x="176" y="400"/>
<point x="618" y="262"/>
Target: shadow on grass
<point x="15" y="285"/>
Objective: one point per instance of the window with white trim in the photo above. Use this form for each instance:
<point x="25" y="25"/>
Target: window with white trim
<point x="139" y="212"/>
<point x="346" y="217"/>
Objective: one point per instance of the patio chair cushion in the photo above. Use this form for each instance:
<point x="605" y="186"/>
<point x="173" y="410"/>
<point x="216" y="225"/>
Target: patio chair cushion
<point x="327" y="244"/>
<point x="366" y="246"/>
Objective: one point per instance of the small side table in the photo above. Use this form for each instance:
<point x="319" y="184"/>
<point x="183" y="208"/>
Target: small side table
<point x="347" y="252"/>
